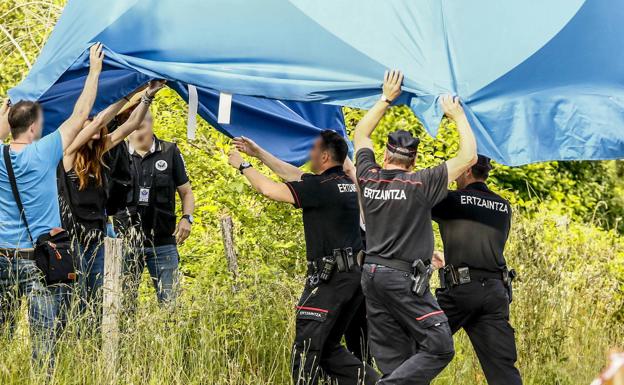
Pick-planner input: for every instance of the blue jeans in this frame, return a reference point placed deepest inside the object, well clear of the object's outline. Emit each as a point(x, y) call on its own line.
point(47, 305)
point(91, 275)
point(162, 264)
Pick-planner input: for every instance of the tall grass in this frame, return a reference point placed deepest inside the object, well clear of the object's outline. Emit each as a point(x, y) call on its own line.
point(567, 312)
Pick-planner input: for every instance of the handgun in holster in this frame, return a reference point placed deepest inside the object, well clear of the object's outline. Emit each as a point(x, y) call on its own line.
point(421, 274)
point(345, 260)
point(508, 277)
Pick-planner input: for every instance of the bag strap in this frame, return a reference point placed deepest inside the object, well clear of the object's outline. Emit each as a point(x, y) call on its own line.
point(16, 195)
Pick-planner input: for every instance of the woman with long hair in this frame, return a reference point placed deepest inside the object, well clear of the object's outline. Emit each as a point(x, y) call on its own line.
point(83, 180)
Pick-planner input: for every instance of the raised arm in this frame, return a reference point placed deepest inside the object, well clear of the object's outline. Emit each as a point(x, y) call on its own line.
point(467, 155)
point(349, 168)
point(137, 116)
point(72, 126)
point(262, 184)
point(284, 170)
point(5, 129)
point(91, 129)
point(391, 90)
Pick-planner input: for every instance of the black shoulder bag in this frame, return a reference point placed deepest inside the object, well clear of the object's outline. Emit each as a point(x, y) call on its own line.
point(53, 254)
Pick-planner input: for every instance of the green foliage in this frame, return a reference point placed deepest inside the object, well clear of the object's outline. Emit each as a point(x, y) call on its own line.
point(568, 308)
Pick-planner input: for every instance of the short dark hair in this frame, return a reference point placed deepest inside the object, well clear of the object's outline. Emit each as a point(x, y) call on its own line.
point(480, 173)
point(22, 115)
point(481, 169)
point(335, 144)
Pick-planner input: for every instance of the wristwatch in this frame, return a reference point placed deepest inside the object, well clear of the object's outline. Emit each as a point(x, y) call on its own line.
point(384, 98)
point(188, 217)
point(244, 166)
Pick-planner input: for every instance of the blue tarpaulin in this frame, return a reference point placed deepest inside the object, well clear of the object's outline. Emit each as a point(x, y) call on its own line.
point(271, 123)
point(541, 80)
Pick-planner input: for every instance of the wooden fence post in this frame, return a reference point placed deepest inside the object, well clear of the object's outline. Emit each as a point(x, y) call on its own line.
point(112, 300)
point(227, 231)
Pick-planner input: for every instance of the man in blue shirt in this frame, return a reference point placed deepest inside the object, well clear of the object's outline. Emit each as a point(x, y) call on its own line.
point(35, 161)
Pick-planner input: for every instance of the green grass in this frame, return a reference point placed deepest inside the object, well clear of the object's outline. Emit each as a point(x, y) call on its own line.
point(567, 313)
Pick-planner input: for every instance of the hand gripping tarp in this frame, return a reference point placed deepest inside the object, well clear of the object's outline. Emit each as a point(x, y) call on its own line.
point(284, 128)
point(541, 80)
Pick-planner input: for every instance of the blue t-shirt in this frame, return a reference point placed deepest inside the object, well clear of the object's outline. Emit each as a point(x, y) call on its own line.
point(35, 170)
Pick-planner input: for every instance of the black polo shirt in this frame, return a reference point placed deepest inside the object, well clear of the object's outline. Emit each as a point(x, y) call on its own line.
point(397, 208)
point(331, 215)
point(474, 224)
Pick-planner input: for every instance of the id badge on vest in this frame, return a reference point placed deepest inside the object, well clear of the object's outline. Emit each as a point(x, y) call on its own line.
point(144, 194)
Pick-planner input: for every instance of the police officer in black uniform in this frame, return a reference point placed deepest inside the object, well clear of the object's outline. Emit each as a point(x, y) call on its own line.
point(475, 283)
point(409, 334)
point(149, 222)
point(331, 223)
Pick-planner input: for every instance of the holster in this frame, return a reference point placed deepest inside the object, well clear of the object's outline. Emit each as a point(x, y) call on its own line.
point(509, 275)
point(451, 276)
point(421, 275)
point(345, 259)
point(322, 269)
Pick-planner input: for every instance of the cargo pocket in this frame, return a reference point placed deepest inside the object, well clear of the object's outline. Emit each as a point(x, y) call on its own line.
point(438, 338)
point(431, 319)
point(164, 223)
point(162, 188)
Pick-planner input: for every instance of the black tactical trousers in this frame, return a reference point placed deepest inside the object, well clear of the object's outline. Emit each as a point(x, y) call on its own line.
point(356, 335)
point(409, 336)
point(482, 309)
point(323, 313)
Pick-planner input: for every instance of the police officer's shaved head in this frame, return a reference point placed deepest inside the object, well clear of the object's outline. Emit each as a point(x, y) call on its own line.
point(402, 148)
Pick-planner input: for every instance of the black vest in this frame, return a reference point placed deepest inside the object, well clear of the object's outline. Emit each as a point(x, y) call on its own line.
point(154, 172)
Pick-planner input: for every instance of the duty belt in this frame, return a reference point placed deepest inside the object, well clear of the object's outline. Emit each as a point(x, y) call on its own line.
point(451, 276)
point(344, 259)
point(18, 253)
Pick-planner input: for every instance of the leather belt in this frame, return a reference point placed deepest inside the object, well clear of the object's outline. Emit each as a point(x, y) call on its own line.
point(392, 263)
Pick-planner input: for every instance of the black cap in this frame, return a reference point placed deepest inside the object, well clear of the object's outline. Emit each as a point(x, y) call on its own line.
point(484, 162)
point(402, 142)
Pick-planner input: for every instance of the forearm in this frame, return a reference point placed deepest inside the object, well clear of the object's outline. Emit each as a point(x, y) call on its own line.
point(366, 126)
point(83, 137)
point(72, 126)
point(188, 203)
point(467, 142)
point(284, 170)
point(84, 105)
point(111, 111)
point(269, 188)
point(258, 181)
point(133, 122)
point(467, 155)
